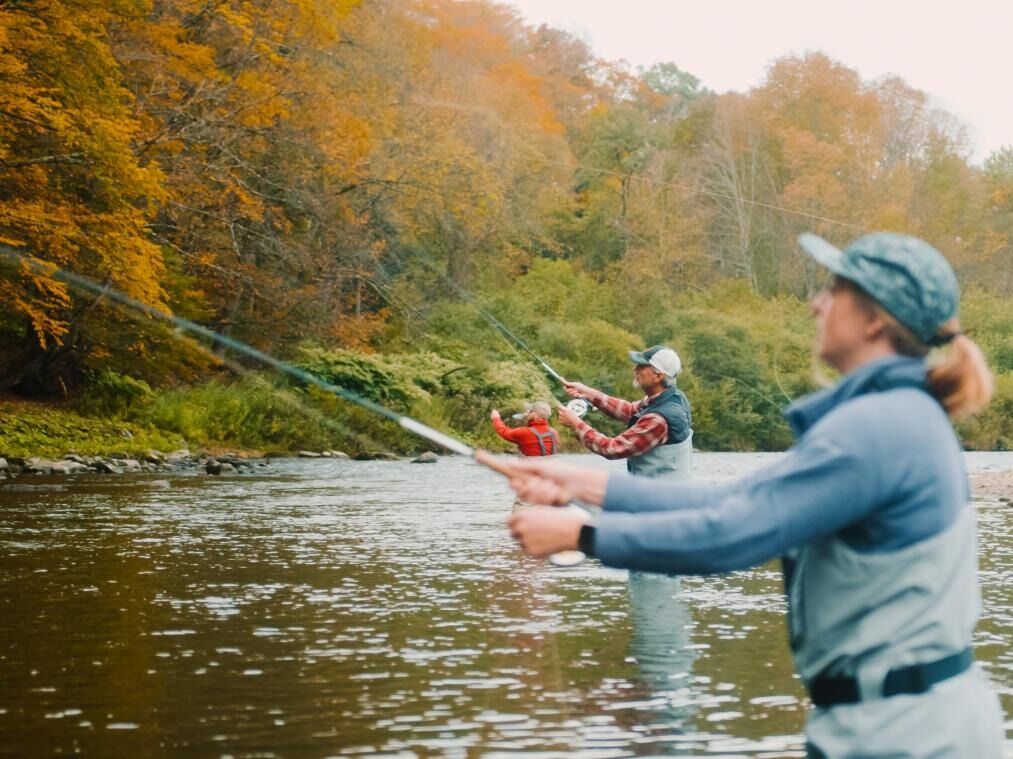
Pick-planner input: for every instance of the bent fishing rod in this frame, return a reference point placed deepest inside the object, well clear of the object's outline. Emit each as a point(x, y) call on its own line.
point(579, 406)
point(105, 290)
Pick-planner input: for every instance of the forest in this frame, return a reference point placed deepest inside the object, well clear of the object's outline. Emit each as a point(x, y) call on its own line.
point(366, 189)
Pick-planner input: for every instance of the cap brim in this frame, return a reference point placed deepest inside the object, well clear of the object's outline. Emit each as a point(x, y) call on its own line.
point(822, 252)
point(639, 359)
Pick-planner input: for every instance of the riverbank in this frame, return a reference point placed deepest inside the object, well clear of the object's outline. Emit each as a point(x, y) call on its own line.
point(992, 486)
point(39, 438)
point(176, 461)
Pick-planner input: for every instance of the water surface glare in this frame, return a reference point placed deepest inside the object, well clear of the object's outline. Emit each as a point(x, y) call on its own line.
point(324, 607)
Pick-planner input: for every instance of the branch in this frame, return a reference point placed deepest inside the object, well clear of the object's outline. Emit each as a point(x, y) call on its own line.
point(68, 158)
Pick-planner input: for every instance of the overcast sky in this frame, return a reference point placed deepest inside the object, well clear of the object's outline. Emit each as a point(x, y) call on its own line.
point(961, 53)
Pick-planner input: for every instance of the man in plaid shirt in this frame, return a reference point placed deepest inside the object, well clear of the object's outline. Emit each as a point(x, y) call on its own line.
point(658, 439)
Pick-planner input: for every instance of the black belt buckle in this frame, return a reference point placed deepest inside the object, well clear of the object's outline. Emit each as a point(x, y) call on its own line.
point(829, 691)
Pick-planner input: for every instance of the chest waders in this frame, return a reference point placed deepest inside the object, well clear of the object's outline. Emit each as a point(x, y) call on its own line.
point(660, 616)
point(674, 457)
point(882, 644)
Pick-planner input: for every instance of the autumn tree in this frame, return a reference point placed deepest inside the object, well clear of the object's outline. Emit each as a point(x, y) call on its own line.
point(73, 193)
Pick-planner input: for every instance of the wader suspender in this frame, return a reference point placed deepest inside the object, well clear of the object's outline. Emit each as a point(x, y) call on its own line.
point(541, 437)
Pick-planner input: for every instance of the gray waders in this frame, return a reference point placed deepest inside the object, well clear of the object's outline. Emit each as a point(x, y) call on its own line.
point(882, 641)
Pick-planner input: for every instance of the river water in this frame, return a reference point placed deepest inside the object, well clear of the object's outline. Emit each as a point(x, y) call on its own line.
point(325, 608)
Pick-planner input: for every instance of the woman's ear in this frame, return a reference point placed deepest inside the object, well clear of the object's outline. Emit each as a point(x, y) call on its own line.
point(875, 328)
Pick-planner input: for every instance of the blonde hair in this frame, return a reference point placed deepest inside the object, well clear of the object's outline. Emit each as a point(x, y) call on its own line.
point(958, 375)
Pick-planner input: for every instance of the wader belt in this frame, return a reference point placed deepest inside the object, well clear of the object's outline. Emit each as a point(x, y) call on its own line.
point(831, 690)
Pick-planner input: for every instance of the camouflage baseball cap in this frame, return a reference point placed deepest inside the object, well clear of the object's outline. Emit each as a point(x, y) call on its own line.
point(906, 276)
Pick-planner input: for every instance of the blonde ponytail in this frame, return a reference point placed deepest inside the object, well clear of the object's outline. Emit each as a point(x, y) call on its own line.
point(959, 376)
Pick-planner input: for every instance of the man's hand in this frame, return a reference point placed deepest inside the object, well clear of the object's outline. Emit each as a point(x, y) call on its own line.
point(544, 531)
point(566, 417)
point(495, 415)
point(577, 389)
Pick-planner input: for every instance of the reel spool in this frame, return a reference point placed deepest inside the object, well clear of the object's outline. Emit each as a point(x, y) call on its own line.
point(579, 406)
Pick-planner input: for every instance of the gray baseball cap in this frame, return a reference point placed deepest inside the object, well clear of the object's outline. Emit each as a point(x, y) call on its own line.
point(908, 277)
point(664, 360)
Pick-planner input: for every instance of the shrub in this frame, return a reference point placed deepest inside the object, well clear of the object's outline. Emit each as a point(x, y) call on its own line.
point(112, 394)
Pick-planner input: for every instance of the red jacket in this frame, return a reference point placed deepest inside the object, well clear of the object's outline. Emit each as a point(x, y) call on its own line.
point(526, 439)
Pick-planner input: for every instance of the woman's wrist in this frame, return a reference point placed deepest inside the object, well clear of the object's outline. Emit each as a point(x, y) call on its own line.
point(592, 487)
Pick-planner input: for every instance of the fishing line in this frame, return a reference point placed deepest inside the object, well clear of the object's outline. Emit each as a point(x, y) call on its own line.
point(579, 406)
point(83, 283)
point(502, 328)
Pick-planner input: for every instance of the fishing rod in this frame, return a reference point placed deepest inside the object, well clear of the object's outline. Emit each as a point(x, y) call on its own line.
point(561, 559)
point(105, 290)
point(579, 406)
point(506, 332)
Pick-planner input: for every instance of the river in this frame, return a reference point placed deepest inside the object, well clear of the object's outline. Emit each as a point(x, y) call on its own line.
point(323, 608)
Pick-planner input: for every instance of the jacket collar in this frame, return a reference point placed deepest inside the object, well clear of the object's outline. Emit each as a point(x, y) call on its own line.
point(665, 394)
point(872, 377)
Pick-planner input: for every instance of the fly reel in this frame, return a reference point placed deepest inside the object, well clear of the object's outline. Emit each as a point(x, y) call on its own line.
point(579, 406)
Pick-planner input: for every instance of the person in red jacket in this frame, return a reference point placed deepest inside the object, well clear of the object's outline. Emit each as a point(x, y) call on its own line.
point(536, 437)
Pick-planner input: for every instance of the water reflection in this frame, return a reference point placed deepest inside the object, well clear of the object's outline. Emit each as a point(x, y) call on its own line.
point(328, 608)
point(661, 642)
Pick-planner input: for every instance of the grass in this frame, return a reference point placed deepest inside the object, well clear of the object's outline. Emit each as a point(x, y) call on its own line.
point(36, 429)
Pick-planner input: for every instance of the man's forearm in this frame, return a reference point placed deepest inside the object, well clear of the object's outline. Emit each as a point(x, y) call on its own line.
point(616, 408)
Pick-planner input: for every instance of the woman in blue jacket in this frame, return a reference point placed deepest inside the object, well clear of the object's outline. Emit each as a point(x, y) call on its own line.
point(869, 512)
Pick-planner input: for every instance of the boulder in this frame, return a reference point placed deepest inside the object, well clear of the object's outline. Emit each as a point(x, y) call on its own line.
point(426, 458)
point(339, 455)
point(375, 456)
point(69, 466)
point(308, 455)
point(105, 467)
point(4, 466)
point(36, 465)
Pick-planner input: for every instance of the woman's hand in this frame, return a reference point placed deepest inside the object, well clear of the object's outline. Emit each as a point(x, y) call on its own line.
point(544, 531)
point(545, 481)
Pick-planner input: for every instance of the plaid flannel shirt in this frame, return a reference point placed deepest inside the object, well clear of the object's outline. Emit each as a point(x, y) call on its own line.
point(650, 431)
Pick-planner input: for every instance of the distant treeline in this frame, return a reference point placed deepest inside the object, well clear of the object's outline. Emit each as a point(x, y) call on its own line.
point(356, 187)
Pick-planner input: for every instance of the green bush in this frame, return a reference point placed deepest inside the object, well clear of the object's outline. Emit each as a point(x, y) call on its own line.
point(112, 394)
point(992, 429)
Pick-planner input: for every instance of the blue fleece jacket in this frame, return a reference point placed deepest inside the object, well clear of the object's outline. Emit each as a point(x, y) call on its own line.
point(876, 463)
